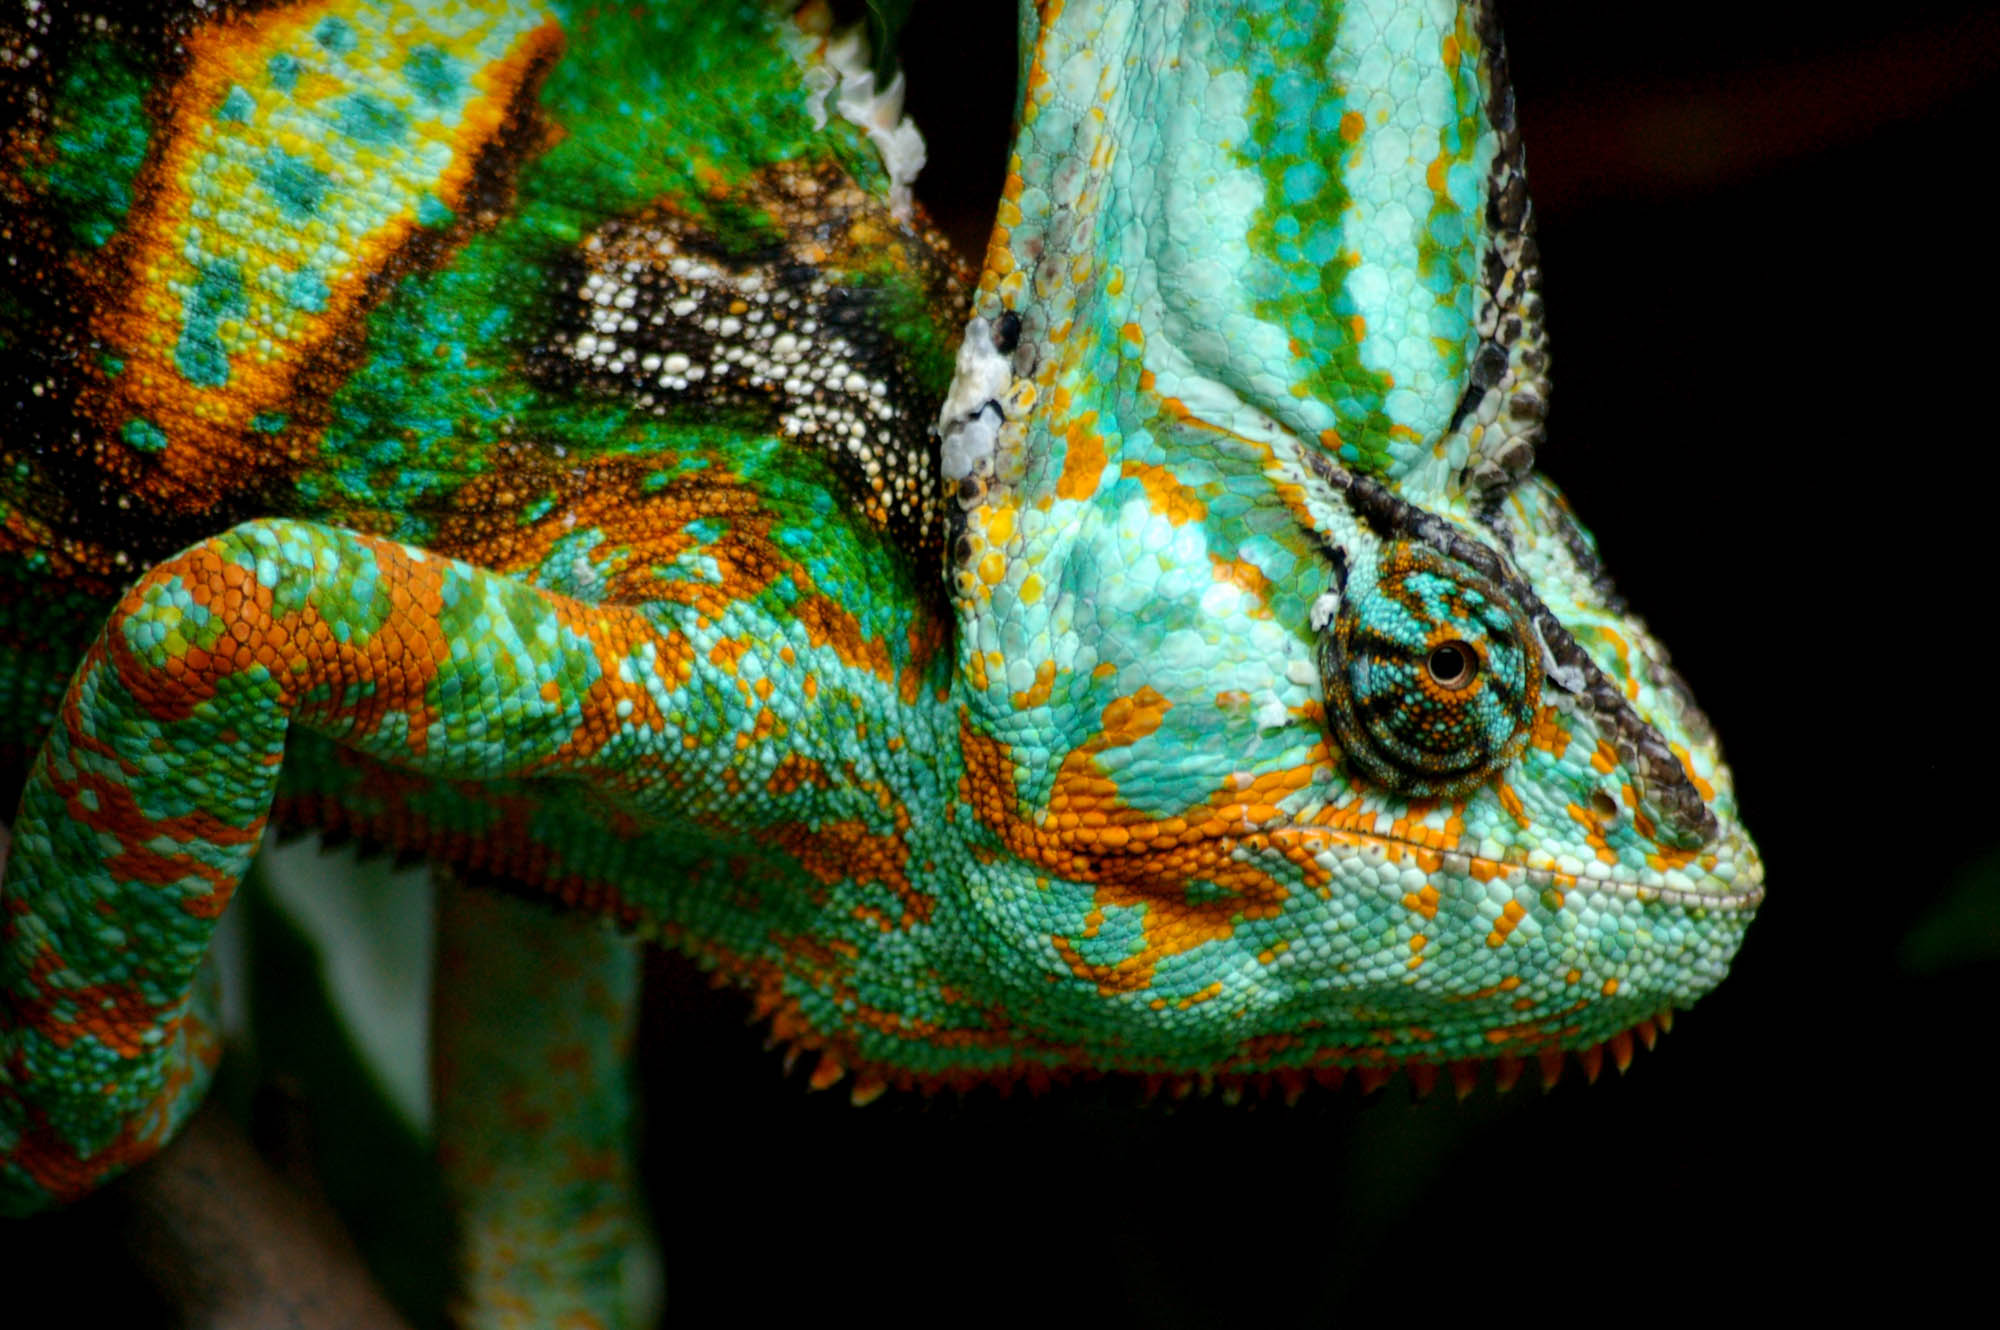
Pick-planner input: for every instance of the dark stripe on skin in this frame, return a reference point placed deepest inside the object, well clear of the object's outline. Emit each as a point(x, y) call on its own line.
point(1584, 557)
point(1663, 782)
point(1488, 511)
point(757, 325)
point(1509, 318)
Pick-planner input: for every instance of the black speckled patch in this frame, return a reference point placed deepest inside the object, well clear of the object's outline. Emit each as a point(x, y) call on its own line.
point(789, 336)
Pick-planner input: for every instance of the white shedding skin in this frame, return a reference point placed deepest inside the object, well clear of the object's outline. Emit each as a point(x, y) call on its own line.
point(880, 115)
point(1566, 677)
point(1323, 611)
point(839, 63)
point(967, 425)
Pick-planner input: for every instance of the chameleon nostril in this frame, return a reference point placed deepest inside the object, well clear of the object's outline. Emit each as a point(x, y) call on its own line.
point(1603, 804)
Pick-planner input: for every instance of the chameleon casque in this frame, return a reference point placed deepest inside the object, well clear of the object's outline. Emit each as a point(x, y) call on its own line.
point(545, 438)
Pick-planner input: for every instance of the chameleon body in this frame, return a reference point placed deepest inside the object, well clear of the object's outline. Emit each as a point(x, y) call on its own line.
point(531, 436)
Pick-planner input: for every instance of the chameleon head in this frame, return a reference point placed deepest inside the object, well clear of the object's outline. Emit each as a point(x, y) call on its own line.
point(1305, 722)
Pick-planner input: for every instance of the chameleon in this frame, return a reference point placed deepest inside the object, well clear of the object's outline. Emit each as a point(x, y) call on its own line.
point(547, 438)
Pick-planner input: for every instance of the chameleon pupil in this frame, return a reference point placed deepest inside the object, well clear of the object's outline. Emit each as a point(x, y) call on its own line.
point(1452, 665)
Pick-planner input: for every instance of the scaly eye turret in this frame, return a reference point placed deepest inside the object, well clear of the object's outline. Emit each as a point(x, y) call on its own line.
point(1432, 674)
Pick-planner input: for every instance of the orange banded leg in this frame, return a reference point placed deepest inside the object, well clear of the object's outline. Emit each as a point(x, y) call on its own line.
point(149, 796)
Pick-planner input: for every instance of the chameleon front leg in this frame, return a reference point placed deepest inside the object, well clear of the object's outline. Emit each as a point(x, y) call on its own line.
point(148, 798)
point(534, 1015)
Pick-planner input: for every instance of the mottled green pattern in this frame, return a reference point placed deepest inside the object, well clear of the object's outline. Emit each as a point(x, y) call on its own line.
point(100, 138)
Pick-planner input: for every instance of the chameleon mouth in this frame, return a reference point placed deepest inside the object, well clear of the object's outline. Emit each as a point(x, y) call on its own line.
point(1725, 896)
point(1744, 892)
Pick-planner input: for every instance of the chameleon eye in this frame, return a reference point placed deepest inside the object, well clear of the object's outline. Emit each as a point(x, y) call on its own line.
point(1453, 665)
point(1432, 674)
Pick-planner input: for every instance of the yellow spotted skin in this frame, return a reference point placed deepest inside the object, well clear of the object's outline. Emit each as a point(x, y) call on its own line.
point(542, 438)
